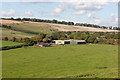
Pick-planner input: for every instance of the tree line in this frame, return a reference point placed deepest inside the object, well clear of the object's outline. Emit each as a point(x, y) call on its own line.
point(96, 37)
point(63, 22)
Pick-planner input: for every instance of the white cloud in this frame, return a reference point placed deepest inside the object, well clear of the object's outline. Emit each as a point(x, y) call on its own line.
point(38, 0)
point(81, 7)
point(80, 12)
point(67, 0)
point(11, 12)
point(97, 21)
point(89, 7)
point(28, 13)
point(112, 21)
point(59, 8)
point(112, 14)
point(89, 15)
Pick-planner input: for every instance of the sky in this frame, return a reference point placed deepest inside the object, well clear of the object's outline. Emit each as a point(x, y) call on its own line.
point(100, 13)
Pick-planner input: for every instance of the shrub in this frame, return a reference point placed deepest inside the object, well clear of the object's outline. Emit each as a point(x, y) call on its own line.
point(6, 39)
point(14, 39)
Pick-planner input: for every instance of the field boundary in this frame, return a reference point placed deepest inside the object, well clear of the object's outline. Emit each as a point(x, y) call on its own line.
point(14, 47)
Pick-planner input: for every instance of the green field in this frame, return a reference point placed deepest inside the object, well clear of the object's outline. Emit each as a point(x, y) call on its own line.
point(11, 33)
point(70, 61)
point(9, 43)
point(26, 30)
point(33, 27)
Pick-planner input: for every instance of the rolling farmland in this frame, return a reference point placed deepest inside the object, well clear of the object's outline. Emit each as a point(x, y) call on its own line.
point(70, 61)
point(49, 27)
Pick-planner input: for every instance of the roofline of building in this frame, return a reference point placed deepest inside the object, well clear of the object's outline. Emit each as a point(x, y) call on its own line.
point(71, 40)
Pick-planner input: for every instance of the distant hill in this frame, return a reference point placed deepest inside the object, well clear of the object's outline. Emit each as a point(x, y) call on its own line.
point(49, 27)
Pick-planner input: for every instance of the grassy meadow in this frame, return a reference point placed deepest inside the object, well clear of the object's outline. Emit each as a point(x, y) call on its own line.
point(33, 27)
point(9, 43)
point(11, 33)
point(69, 61)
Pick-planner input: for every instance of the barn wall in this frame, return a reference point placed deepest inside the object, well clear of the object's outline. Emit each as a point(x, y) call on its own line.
point(73, 42)
point(59, 41)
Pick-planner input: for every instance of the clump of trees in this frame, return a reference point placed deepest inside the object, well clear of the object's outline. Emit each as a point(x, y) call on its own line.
point(6, 26)
point(116, 28)
point(26, 41)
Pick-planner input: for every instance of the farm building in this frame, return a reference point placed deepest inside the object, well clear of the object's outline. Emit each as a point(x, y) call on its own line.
point(61, 41)
point(43, 44)
point(71, 41)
